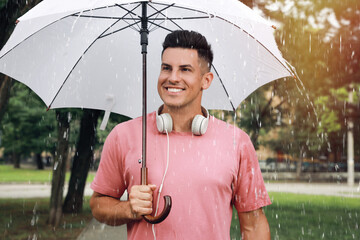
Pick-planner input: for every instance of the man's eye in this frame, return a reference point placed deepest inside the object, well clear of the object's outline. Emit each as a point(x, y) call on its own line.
point(165, 68)
point(186, 69)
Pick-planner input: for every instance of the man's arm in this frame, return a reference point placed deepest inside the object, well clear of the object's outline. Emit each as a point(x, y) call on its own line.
point(114, 212)
point(254, 225)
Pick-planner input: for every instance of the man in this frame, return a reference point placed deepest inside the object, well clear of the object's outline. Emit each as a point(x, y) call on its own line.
point(208, 170)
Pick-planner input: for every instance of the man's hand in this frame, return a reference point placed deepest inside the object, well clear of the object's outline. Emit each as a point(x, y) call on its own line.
point(140, 198)
point(114, 212)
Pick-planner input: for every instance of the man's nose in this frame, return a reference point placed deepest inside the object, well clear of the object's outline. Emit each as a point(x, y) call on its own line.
point(174, 76)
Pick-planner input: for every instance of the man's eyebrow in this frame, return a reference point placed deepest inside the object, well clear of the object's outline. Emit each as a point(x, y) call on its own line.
point(186, 66)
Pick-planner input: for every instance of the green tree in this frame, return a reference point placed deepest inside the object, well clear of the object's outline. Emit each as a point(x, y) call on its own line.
point(27, 127)
point(321, 40)
point(335, 112)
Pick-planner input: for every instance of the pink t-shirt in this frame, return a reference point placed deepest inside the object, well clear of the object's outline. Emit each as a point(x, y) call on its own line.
point(207, 175)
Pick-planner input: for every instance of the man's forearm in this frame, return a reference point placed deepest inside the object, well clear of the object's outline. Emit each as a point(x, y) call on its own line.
point(110, 211)
point(254, 225)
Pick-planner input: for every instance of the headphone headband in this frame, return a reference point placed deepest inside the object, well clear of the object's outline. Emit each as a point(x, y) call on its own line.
point(199, 124)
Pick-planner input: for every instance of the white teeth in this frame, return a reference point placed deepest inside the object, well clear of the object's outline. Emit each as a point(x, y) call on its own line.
point(174, 89)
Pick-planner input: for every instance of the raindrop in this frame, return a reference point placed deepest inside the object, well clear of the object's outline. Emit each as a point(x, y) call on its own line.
point(56, 165)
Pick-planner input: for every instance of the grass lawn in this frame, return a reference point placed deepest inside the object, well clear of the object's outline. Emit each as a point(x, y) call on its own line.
point(298, 216)
point(9, 174)
point(26, 219)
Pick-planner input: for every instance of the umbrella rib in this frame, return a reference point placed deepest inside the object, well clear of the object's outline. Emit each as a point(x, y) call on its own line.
point(74, 14)
point(172, 19)
point(213, 16)
point(184, 18)
point(157, 14)
point(186, 8)
point(222, 84)
point(117, 5)
point(131, 12)
point(167, 29)
point(33, 35)
point(161, 12)
point(151, 23)
point(124, 18)
point(67, 77)
point(157, 11)
point(129, 26)
point(102, 17)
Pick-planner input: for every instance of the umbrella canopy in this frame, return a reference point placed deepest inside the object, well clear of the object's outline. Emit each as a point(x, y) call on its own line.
point(87, 53)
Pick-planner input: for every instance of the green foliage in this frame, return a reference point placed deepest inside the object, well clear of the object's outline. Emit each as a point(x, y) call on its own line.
point(334, 111)
point(256, 115)
point(113, 121)
point(2, 3)
point(319, 38)
point(329, 120)
point(27, 127)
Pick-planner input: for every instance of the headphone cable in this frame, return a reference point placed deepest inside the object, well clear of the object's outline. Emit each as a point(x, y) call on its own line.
point(162, 181)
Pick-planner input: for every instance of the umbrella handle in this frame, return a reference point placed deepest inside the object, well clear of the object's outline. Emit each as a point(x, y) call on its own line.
point(161, 217)
point(167, 207)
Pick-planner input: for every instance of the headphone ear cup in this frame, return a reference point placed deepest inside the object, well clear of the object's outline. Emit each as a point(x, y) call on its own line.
point(199, 125)
point(164, 123)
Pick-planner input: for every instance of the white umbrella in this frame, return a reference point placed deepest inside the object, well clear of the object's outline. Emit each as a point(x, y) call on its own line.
point(87, 53)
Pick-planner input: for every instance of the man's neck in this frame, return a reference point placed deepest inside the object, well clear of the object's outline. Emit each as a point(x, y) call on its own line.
point(182, 117)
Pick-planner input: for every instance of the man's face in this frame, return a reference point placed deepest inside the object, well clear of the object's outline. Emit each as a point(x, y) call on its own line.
point(182, 78)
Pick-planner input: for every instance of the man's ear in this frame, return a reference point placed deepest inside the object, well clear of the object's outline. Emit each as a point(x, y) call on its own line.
point(206, 80)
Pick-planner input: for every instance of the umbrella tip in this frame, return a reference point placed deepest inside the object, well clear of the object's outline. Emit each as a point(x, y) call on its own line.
point(48, 108)
point(17, 21)
point(273, 26)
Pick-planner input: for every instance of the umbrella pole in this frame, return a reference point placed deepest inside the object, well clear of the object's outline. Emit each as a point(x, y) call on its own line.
point(144, 33)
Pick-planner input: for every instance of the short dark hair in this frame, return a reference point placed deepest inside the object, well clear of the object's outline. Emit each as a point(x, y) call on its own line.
point(192, 40)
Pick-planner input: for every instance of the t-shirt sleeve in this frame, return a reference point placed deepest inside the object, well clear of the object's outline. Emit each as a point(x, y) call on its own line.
point(109, 178)
point(249, 190)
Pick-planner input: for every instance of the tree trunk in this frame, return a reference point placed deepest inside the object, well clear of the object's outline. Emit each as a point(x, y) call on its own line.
point(82, 160)
point(5, 86)
point(39, 162)
point(59, 169)
point(16, 160)
point(299, 164)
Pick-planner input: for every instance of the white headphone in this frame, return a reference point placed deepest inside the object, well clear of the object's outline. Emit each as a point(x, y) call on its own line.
point(198, 127)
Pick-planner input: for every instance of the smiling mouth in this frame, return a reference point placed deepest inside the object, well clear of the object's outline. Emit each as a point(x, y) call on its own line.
point(174, 90)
